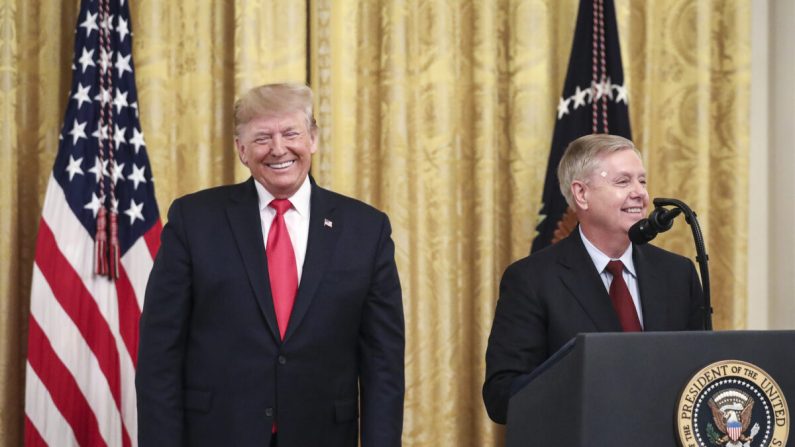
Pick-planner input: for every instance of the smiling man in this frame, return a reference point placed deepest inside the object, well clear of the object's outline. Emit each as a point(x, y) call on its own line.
point(273, 314)
point(594, 280)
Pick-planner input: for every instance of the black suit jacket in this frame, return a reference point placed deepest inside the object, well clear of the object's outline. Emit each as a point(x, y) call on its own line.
point(549, 297)
point(212, 369)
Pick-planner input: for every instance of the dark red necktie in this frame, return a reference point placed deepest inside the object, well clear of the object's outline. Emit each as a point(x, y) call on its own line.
point(622, 300)
point(281, 265)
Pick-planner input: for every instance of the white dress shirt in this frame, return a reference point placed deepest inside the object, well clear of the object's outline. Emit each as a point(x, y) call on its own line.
point(600, 261)
point(296, 219)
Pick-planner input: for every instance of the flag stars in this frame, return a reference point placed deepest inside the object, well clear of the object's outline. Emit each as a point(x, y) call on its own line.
point(87, 59)
point(101, 133)
point(105, 59)
point(78, 131)
point(93, 205)
point(137, 175)
point(118, 172)
point(579, 97)
point(608, 88)
point(602, 88)
point(118, 136)
point(103, 96)
point(123, 29)
point(595, 92)
point(120, 100)
point(598, 90)
point(100, 168)
point(90, 23)
point(74, 167)
point(135, 211)
point(107, 22)
point(82, 95)
point(123, 64)
point(563, 107)
point(621, 93)
point(137, 140)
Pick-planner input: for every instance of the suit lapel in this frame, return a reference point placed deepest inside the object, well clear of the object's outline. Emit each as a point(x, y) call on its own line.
point(581, 279)
point(324, 228)
point(652, 292)
point(244, 219)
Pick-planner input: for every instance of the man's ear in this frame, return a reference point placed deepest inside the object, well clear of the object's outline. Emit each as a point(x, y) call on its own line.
point(579, 192)
point(241, 151)
point(313, 137)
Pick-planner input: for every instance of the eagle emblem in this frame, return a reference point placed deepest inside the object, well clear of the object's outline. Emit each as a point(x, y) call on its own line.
point(732, 403)
point(731, 412)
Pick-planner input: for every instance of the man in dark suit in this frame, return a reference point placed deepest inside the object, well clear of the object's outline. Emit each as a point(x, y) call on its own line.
point(273, 312)
point(568, 288)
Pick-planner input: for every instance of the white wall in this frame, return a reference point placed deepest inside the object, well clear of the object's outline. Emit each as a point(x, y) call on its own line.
point(758, 193)
point(782, 163)
point(771, 241)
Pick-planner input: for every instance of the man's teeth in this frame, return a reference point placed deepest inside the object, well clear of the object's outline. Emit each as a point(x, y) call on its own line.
point(281, 165)
point(632, 210)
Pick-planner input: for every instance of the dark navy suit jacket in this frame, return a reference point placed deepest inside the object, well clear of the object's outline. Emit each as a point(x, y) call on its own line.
point(212, 369)
point(549, 297)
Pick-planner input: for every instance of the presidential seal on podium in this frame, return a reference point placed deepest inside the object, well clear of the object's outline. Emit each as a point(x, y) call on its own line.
point(732, 403)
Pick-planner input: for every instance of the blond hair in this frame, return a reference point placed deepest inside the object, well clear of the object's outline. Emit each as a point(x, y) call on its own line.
point(582, 156)
point(274, 99)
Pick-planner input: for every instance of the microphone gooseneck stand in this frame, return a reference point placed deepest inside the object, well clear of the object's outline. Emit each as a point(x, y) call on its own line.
point(701, 251)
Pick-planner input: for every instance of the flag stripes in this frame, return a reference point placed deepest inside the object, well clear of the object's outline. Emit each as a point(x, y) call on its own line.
point(32, 436)
point(80, 310)
point(65, 340)
point(63, 388)
point(152, 239)
point(129, 314)
point(41, 412)
point(69, 291)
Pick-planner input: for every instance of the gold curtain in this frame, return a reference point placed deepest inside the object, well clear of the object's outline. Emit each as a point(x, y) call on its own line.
point(688, 69)
point(440, 112)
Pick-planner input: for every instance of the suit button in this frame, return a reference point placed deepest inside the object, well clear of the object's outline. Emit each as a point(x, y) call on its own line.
point(269, 412)
point(282, 360)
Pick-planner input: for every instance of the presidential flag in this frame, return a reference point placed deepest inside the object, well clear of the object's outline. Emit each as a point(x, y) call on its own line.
point(98, 234)
point(594, 100)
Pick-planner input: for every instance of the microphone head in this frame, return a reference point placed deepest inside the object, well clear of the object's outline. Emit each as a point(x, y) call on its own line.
point(659, 221)
point(663, 219)
point(642, 232)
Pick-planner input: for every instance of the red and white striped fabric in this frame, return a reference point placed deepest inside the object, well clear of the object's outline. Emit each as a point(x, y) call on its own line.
point(83, 335)
point(97, 239)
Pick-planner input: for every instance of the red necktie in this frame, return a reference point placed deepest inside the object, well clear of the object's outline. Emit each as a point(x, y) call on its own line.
point(622, 300)
point(281, 265)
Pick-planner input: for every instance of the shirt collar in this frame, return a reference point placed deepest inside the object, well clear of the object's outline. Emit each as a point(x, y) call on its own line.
point(300, 200)
point(600, 259)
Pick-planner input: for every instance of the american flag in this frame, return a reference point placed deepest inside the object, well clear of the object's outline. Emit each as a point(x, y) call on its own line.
point(97, 238)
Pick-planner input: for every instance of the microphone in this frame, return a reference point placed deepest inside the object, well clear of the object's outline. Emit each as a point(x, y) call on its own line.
point(659, 221)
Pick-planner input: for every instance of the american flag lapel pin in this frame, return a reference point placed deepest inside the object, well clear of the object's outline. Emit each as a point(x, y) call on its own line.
point(328, 223)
